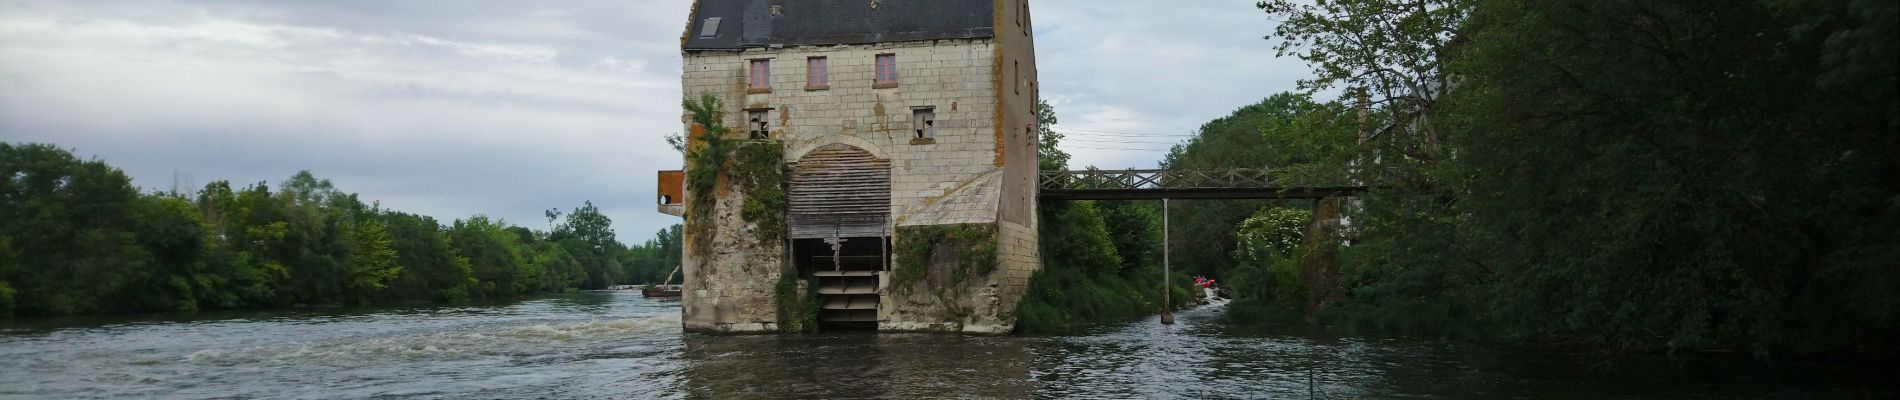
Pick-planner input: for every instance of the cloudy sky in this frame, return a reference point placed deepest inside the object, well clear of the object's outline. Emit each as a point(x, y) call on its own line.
point(509, 108)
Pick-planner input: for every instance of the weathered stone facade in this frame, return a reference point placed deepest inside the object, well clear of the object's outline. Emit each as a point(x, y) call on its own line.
point(729, 289)
point(977, 168)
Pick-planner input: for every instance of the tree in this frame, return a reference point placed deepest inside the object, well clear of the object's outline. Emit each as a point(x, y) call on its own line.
point(1203, 230)
point(492, 255)
point(68, 225)
point(589, 237)
point(1269, 250)
point(372, 257)
point(430, 267)
point(1048, 156)
point(1388, 50)
point(77, 238)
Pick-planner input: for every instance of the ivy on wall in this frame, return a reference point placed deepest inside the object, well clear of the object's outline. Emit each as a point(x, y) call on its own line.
point(971, 246)
point(797, 309)
point(756, 166)
point(757, 170)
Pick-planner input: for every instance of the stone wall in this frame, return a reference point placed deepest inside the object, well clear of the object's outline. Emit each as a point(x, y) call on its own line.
point(732, 289)
point(945, 180)
point(1017, 248)
point(1018, 252)
point(958, 176)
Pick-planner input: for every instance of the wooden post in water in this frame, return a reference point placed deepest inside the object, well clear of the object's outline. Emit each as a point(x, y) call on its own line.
point(1167, 272)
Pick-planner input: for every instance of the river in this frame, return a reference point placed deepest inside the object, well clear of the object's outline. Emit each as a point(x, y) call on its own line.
point(616, 344)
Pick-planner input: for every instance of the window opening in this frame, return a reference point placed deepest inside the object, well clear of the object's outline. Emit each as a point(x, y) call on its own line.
point(886, 70)
point(924, 123)
point(1022, 17)
point(816, 73)
point(757, 121)
point(709, 29)
point(761, 76)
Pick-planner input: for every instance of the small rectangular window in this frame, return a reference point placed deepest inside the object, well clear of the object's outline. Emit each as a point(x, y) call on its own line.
point(710, 28)
point(1019, 76)
point(923, 122)
point(758, 123)
point(886, 70)
point(761, 75)
point(816, 74)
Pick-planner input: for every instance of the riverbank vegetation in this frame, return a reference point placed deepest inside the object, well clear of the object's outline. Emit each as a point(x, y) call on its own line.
point(1101, 260)
point(76, 237)
point(1620, 176)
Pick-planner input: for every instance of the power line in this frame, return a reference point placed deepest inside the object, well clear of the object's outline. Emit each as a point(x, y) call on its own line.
point(1120, 137)
point(1108, 131)
point(1088, 141)
point(1103, 132)
point(1110, 148)
point(1114, 135)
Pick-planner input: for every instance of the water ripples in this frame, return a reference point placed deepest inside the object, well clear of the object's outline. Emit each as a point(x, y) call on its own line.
point(617, 344)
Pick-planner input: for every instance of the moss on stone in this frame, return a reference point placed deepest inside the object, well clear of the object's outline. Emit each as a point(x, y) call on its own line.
point(706, 151)
point(972, 246)
point(797, 309)
point(757, 167)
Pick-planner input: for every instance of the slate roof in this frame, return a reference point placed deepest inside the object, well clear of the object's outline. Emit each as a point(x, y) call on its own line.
point(750, 23)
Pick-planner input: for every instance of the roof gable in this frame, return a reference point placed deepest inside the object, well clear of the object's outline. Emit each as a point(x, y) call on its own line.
point(752, 23)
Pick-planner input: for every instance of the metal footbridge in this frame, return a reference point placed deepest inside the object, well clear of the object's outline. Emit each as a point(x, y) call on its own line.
point(1159, 184)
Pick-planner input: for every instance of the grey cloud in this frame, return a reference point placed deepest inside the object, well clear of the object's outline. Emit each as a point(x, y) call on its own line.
point(508, 108)
point(1152, 67)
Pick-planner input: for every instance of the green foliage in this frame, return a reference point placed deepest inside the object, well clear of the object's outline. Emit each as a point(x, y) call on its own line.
point(56, 210)
point(431, 267)
point(1626, 175)
point(1134, 229)
point(77, 238)
point(707, 151)
point(1385, 53)
point(967, 249)
point(588, 236)
point(1269, 249)
point(797, 310)
point(1758, 211)
point(653, 261)
point(1084, 280)
point(372, 258)
point(493, 255)
point(1048, 156)
point(1285, 131)
point(1270, 232)
point(1101, 261)
point(759, 169)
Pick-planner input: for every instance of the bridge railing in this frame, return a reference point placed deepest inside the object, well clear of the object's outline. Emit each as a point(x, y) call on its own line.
point(1231, 178)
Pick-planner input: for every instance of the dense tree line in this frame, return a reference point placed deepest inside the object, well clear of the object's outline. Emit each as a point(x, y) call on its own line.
point(1621, 175)
point(76, 237)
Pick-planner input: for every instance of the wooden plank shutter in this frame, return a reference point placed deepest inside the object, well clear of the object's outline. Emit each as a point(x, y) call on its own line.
point(839, 190)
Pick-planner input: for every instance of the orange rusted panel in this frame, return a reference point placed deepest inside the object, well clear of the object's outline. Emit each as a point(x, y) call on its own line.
point(672, 187)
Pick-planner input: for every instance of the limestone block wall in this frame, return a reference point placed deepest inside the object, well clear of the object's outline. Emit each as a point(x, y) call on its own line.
point(958, 176)
point(1020, 256)
point(943, 180)
point(732, 288)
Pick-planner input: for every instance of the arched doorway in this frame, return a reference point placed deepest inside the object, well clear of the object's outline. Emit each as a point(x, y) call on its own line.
point(839, 224)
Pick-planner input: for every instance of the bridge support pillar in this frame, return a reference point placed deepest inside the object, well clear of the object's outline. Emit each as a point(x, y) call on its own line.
point(1320, 267)
point(1167, 271)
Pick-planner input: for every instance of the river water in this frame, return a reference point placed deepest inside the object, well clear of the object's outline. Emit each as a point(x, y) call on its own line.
point(617, 344)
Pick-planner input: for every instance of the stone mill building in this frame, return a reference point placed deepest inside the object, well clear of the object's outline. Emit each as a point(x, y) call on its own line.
point(898, 186)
